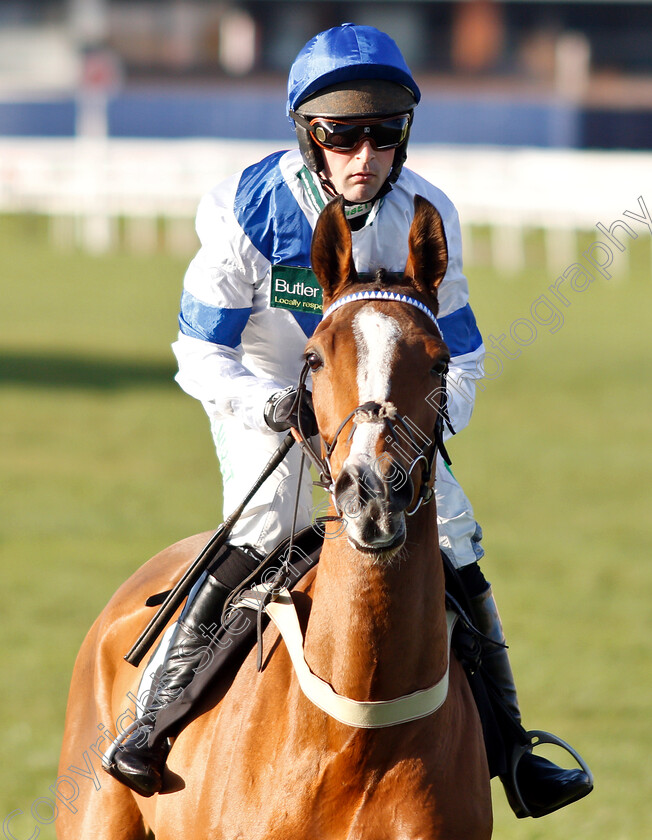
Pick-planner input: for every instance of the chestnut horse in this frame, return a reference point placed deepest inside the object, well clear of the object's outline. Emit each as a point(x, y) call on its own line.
point(263, 762)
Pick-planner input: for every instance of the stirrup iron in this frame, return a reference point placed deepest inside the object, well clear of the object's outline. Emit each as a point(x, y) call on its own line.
point(536, 738)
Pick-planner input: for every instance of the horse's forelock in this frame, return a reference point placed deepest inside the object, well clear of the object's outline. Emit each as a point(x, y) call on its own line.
point(386, 278)
point(379, 279)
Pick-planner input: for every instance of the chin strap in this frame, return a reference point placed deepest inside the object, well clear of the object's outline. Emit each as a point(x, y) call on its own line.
point(327, 185)
point(352, 209)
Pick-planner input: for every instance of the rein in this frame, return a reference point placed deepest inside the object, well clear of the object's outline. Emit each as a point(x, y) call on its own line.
point(386, 412)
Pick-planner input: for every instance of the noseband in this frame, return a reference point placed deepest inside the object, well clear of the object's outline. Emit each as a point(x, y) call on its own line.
point(383, 413)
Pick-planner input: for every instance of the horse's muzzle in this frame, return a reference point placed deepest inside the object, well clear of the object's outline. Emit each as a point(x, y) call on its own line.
point(371, 498)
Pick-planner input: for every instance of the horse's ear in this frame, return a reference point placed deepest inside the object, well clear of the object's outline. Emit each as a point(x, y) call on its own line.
point(428, 251)
point(332, 251)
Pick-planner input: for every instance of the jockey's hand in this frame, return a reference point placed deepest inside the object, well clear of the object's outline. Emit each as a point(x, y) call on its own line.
point(282, 412)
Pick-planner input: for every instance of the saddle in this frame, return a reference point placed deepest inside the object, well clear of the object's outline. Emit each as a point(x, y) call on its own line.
point(287, 564)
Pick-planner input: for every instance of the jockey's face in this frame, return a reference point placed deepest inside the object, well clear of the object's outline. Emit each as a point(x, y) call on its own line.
point(359, 174)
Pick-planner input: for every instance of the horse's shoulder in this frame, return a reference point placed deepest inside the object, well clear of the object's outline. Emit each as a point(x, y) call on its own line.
point(160, 572)
point(126, 611)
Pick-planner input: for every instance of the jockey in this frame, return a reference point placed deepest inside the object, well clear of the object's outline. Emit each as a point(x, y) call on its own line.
point(249, 303)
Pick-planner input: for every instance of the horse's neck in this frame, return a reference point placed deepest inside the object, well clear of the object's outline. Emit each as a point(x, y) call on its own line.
point(378, 630)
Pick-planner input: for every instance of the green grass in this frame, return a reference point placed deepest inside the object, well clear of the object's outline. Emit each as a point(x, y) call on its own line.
point(105, 461)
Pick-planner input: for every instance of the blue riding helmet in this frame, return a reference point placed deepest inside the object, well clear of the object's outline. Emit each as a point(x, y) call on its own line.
point(350, 71)
point(345, 53)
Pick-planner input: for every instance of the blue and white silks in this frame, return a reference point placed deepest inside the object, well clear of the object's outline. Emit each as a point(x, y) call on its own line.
point(234, 348)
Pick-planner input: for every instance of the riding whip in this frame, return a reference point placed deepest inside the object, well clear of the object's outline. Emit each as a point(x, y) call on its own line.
point(176, 595)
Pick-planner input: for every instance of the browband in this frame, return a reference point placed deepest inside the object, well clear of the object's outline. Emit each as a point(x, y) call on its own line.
point(378, 295)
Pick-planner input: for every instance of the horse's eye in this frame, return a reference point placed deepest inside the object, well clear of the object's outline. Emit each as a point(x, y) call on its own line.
point(439, 368)
point(313, 361)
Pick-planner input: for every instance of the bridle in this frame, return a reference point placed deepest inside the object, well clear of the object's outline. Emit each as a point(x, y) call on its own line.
point(385, 413)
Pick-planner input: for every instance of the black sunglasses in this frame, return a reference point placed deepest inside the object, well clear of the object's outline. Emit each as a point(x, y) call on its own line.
point(345, 136)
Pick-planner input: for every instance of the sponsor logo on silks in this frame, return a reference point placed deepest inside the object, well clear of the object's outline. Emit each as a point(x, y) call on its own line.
point(295, 288)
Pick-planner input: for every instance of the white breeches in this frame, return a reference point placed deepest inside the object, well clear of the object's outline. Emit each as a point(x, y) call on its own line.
point(243, 453)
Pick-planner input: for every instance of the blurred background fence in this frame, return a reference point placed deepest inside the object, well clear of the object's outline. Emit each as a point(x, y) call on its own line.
point(115, 117)
point(536, 119)
point(142, 194)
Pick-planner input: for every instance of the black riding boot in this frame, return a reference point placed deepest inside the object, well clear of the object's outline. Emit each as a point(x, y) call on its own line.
point(140, 760)
point(138, 763)
point(541, 786)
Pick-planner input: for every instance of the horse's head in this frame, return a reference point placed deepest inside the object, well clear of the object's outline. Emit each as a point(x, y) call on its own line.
point(377, 365)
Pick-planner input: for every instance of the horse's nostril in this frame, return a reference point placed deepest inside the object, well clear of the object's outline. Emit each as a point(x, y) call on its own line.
point(403, 492)
point(347, 493)
point(344, 483)
point(362, 488)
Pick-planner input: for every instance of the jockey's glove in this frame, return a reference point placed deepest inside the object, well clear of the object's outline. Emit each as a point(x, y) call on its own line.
point(284, 410)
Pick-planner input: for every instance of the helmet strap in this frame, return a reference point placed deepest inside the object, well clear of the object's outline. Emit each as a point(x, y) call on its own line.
point(327, 185)
point(356, 212)
point(353, 206)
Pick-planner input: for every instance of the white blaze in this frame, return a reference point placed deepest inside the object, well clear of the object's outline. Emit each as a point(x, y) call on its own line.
point(376, 336)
